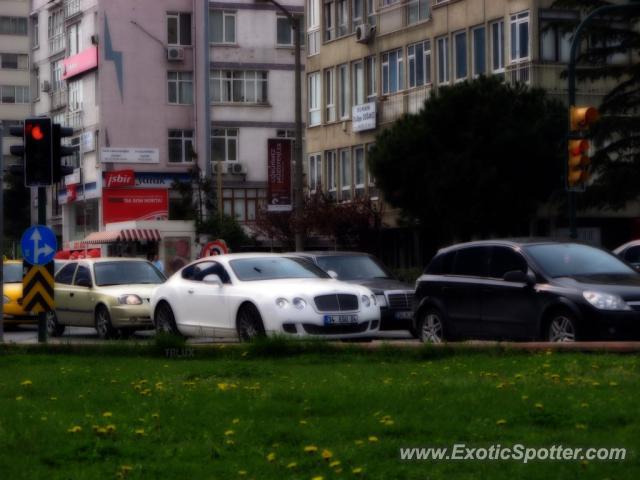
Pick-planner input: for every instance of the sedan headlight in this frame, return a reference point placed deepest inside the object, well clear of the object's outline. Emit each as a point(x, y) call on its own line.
point(282, 302)
point(366, 301)
point(5, 299)
point(299, 303)
point(382, 301)
point(605, 301)
point(129, 299)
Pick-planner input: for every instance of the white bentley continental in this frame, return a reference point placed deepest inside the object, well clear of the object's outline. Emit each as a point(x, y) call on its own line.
point(253, 294)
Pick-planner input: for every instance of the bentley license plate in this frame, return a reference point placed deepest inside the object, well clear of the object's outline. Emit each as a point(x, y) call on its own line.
point(340, 319)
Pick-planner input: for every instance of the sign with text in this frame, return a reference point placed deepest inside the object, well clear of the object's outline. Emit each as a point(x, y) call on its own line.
point(279, 175)
point(123, 204)
point(130, 155)
point(119, 178)
point(363, 117)
point(82, 62)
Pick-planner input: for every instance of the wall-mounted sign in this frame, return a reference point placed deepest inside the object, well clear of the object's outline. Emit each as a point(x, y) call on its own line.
point(279, 175)
point(87, 142)
point(130, 155)
point(80, 63)
point(363, 117)
point(119, 178)
point(123, 204)
point(73, 178)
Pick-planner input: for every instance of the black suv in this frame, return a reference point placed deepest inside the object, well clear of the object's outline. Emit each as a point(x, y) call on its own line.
point(394, 297)
point(527, 290)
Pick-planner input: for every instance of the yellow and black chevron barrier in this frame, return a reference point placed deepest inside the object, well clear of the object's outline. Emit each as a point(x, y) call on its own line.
point(37, 288)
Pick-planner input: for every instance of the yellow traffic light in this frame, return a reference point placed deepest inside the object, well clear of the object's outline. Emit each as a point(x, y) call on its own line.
point(578, 163)
point(583, 117)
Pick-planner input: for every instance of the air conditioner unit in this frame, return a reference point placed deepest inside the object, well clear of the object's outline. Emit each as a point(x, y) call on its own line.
point(175, 54)
point(237, 168)
point(365, 32)
point(46, 86)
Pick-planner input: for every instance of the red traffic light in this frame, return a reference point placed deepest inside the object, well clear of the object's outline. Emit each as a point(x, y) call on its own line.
point(36, 133)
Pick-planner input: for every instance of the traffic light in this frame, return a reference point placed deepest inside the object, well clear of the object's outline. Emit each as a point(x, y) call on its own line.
point(581, 120)
point(38, 158)
point(60, 151)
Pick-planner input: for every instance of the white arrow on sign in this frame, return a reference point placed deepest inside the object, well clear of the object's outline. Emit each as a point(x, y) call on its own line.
point(37, 251)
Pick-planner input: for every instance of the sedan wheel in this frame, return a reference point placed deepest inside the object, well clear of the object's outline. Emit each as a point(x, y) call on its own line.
point(164, 320)
point(103, 324)
point(562, 329)
point(431, 327)
point(249, 324)
point(54, 329)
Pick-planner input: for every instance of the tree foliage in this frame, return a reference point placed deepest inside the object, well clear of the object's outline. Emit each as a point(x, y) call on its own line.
point(612, 48)
point(478, 159)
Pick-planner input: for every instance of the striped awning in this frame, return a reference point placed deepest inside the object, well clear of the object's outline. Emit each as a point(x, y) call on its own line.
point(124, 235)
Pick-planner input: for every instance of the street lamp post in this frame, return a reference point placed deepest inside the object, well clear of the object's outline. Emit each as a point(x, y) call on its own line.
point(294, 21)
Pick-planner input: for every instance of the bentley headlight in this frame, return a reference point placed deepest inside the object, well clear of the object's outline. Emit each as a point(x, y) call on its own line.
point(282, 302)
point(605, 301)
point(299, 303)
point(129, 299)
point(366, 301)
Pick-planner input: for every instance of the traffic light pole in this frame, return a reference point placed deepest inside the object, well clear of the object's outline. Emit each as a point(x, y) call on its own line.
point(42, 220)
point(1, 235)
point(571, 87)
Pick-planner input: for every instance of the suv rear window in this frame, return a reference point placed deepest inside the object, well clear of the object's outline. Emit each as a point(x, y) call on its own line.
point(472, 262)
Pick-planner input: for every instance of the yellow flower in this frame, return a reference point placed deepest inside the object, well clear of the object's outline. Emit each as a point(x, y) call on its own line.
point(223, 386)
point(271, 456)
point(613, 384)
point(228, 433)
point(310, 449)
point(75, 429)
point(292, 465)
point(110, 428)
point(502, 421)
point(373, 438)
point(539, 406)
point(19, 397)
point(327, 454)
point(525, 397)
point(584, 405)
point(155, 416)
point(53, 398)
point(303, 422)
point(359, 442)
point(26, 383)
point(107, 414)
point(242, 473)
point(581, 426)
point(229, 442)
point(334, 464)
point(139, 432)
point(318, 477)
point(356, 471)
point(101, 431)
point(126, 468)
point(235, 421)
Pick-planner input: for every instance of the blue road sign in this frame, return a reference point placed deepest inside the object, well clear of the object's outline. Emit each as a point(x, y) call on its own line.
point(38, 245)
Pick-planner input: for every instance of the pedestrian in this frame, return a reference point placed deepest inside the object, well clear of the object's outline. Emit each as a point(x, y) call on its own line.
point(155, 259)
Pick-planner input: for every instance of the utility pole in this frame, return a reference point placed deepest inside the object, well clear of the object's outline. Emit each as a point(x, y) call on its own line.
point(571, 87)
point(2, 234)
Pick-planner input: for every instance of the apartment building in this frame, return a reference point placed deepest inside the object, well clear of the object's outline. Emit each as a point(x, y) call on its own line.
point(153, 88)
point(15, 100)
point(371, 61)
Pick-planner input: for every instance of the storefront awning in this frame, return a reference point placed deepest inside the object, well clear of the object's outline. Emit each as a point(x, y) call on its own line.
point(125, 235)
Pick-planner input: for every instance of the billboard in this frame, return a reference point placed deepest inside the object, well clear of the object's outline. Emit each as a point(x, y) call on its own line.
point(123, 204)
point(279, 198)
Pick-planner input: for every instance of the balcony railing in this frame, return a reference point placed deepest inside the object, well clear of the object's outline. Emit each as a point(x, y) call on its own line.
point(71, 8)
point(74, 119)
point(394, 106)
point(58, 98)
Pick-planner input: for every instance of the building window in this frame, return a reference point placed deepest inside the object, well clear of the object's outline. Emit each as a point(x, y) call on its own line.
point(417, 10)
point(243, 203)
point(330, 95)
point(358, 83)
point(14, 61)
point(35, 31)
point(314, 99)
point(443, 60)
point(357, 13)
point(13, 25)
point(56, 31)
point(372, 86)
point(520, 37)
point(224, 144)
point(460, 55)
point(180, 88)
point(315, 172)
point(332, 173)
point(329, 19)
point(392, 71)
point(285, 32)
point(14, 94)
point(419, 56)
point(373, 190)
point(73, 39)
point(345, 174)
point(238, 86)
point(57, 83)
point(180, 146)
point(371, 12)
point(75, 96)
point(555, 35)
point(222, 26)
point(313, 27)
point(179, 28)
point(479, 51)
point(344, 94)
point(35, 85)
point(342, 14)
point(358, 158)
point(497, 47)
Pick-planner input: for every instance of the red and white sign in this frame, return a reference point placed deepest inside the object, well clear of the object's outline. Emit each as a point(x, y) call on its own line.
point(123, 204)
point(216, 247)
point(279, 175)
point(72, 193)
point(82, 62)
point(119, 178)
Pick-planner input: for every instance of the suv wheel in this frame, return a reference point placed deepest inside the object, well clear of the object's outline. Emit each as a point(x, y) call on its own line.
point(562, 328)
point(431, 328)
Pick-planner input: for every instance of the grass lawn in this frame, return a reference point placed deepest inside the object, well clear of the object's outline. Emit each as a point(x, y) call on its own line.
point(240, 414)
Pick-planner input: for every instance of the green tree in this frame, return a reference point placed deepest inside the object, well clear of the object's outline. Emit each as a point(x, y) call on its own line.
point(478, 159)
point(612, 48)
